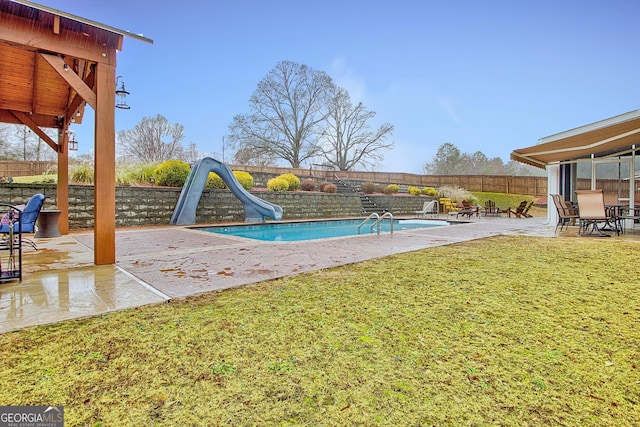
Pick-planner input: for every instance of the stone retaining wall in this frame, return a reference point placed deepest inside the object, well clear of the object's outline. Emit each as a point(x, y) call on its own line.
point(136, 206)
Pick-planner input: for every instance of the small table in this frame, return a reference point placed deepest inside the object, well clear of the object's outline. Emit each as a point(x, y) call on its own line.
point(48, 223)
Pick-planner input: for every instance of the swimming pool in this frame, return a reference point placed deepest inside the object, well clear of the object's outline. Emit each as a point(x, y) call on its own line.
point(311, 230)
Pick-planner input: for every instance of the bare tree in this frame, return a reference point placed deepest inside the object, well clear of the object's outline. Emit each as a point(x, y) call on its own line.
point(246, 156)
point(192, 154)
point(285, 111)
point(347, 141)
point(18, 142)
point(153, 140)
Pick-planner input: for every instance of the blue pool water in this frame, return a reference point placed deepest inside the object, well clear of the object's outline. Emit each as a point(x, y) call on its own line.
point(295, 231)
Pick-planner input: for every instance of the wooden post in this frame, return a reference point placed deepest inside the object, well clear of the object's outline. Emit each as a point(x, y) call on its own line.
point(62, 197)
point(104, 229)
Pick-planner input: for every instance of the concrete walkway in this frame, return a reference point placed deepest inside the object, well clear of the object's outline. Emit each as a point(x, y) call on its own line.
point(161, 263)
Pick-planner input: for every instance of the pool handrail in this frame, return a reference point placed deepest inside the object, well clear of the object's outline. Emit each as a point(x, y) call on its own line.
point(389, 215)
point(378, 219)
point(373, 215)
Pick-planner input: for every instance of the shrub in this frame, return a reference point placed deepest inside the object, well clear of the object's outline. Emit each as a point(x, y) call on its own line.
point(429, 191)
point(244, 178)
point(323, 184)
point(308, 185)
point(82, 173)
point(379, 188)
point(414, 191)
point(172, 173)
point(292, 180)
point(457, 195)
point(214, 181)
point(136, 173)
point(277, 184)
point(368, 188)
point(391, 189)
point(329, 188)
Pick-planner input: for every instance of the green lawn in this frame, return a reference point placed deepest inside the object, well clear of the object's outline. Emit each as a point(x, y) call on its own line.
point(502, 200)
point(36, 179)
point(500, 331)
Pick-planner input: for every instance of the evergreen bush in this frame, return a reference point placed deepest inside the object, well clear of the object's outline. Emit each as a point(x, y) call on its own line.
point(414, 191)
point(214, 181)
point(172, 173)
point(430, 191)
point(292, 180)
point(244, 178)
point(277, 184)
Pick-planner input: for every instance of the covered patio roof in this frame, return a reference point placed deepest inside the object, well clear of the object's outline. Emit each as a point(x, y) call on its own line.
point(52, 65)
point(613, 135)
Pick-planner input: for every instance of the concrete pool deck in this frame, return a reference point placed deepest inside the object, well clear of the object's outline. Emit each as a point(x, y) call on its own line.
point(161, 263)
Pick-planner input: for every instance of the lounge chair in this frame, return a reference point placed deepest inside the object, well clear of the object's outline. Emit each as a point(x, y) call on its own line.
point(447, 205)
point(525, 212)
point(520, 210)
point(592, 212)
point(566, 214)
point(467, 210)
point(490, 208)
point(428, 208)
point(23, 220)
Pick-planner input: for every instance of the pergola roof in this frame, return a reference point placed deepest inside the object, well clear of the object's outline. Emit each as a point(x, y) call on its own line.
point(52, 64)
point(615, 134)
point(34, 41)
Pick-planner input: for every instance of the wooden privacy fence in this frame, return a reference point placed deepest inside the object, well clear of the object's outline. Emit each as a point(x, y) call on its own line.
point(11, 168)
point(532, 185)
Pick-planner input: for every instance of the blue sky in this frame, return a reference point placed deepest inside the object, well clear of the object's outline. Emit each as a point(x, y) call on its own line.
point(488, 76)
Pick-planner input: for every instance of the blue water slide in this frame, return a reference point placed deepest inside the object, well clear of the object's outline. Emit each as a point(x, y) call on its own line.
point(255, 208)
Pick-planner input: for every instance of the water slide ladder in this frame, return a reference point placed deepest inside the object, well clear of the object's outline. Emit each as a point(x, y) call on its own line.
point(377, 220)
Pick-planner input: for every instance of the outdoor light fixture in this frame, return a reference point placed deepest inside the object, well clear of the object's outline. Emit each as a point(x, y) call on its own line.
point(121, 94)
point(73, 144)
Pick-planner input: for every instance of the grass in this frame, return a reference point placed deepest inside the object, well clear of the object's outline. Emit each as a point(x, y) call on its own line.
point(36, 179)
point(503, 200)
point(500, 331)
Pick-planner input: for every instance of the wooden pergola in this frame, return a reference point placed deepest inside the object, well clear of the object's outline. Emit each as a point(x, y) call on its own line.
point(53, 64)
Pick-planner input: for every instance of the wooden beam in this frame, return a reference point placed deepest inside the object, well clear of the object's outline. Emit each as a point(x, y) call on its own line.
point(70, 76)
point(26, 120)
point(56, 24)
point(76, 103)
point(38, 36)
point(104, 229)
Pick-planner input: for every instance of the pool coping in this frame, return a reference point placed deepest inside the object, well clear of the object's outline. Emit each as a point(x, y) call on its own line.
point(180, 261)
point(355, 221)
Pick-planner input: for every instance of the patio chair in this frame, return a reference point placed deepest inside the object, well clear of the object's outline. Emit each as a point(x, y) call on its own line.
point(566, 214)
point(447, 205)
point(25, 219)
point(592, 212)
point(428, 208)
point(490, 208)
point(467, 210)
point(520, 210)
